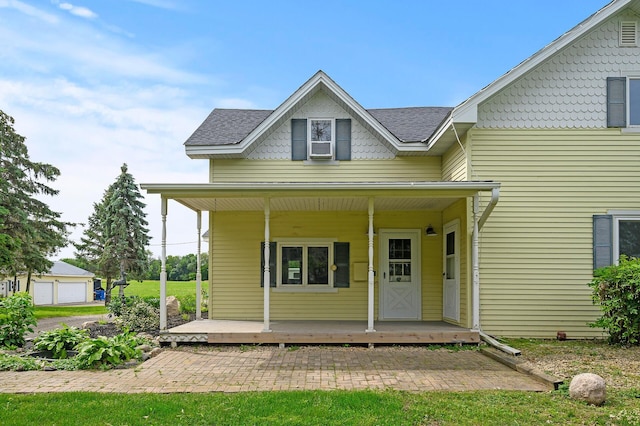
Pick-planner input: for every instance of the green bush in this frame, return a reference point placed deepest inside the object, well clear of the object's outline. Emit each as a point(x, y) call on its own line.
point(60, 340)
point(140, 316)
point(188, 303)
point(18, 363)
point(16, 319)
point(616, 289)
point(107, 352)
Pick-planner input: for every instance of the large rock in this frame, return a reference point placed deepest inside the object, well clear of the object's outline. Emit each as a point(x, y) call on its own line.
point(173, 306)
point(588, 387)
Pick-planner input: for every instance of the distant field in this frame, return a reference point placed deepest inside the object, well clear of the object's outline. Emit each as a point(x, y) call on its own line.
point(152, 288)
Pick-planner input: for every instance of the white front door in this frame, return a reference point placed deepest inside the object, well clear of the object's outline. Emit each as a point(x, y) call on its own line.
point(400, 275)
point(451, 273)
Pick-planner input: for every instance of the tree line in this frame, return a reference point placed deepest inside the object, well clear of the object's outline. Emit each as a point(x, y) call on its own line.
point(179, 268)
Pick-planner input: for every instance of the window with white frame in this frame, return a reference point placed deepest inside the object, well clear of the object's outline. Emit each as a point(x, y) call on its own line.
point(305, 264)
point(321, 137)
point(626, 236)
point(623, 101)
point(615, 234)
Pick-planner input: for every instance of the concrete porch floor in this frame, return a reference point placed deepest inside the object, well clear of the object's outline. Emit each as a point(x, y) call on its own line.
point(318, 332)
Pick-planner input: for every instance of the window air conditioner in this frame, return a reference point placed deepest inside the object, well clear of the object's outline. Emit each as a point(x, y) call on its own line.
point(321, 150)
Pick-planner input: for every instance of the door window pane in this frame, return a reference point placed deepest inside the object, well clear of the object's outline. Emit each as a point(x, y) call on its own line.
point(450, 267)
point(629, 237)
point(318, 269)
point(291, 265)
point(399, 260)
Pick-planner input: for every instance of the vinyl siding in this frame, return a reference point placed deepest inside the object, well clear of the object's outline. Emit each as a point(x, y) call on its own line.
point(536, 248)
point(454, 164)
point(234, 277)
point(398, 169)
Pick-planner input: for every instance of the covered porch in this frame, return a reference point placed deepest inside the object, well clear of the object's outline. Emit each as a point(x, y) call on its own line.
point(359, 318)
point(319, 332)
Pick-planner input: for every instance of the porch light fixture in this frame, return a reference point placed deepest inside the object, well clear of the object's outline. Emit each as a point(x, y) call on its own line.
point(430, 232)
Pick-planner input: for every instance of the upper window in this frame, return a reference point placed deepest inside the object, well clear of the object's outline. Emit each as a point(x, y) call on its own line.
point(321, 137)
point(623, 101)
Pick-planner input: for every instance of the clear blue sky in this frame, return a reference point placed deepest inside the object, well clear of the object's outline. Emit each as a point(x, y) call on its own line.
point(96, 83)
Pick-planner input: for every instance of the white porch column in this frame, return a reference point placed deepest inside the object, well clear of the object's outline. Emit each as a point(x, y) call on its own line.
point(267, 269)
point(198, 270)
point(475, 265)
point(371, 277)
point(163, 266)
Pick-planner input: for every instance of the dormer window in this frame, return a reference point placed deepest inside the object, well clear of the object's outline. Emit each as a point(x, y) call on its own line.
point(321, 138)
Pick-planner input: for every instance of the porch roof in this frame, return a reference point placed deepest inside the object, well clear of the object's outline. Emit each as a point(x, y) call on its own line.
point(317, 196)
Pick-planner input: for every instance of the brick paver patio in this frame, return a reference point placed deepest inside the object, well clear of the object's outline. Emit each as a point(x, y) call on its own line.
point(210, 369)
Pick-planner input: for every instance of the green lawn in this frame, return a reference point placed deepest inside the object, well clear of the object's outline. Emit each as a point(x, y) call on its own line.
point(152, 288)
point(68, 311)
point(316, 408)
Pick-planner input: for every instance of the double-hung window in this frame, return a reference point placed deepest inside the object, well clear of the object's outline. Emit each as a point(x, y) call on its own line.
point(305, 264)
point(614, 235)
point(623, 101)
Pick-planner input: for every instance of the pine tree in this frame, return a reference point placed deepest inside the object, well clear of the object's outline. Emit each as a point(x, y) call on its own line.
point(30, 232)
point(116, 237)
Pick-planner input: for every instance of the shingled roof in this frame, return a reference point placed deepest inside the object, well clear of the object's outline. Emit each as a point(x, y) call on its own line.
point(231, 126)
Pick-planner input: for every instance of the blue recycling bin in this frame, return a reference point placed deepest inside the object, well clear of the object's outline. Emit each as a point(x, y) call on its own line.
point(99, 294)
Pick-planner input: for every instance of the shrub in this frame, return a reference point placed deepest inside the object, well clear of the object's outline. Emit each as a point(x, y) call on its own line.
point(616, 289)
point(60, 340)
point(106, 352)
point(140, 316)
point(18, 363)
point(188, 303)
point(16, 319)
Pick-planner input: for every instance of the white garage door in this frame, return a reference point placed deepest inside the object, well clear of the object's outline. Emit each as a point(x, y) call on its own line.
point(42, 293)
point(72, 292)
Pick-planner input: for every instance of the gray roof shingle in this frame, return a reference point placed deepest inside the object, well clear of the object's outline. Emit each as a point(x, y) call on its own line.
point(62, 268)
point(231, 126)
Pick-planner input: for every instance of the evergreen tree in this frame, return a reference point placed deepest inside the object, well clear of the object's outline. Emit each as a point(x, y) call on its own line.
point(30, 232)
point(116, 237)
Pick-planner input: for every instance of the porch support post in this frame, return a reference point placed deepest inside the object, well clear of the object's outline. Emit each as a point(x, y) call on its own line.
point(163, 266)
point(370, 274)
point(267, 269)
point(475, 265)
point(199, 270)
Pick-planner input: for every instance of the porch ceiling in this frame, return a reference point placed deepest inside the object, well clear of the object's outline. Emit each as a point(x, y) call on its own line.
point(309, 196)
point(315, 204)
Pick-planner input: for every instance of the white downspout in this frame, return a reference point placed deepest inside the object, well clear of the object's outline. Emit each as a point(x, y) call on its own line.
point(198, 270)
point(371, 274)
point(475, 258)
point(267, 268)
point(163, 266)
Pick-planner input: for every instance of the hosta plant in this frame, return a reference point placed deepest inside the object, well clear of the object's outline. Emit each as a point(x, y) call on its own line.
point(60, 340)
point(107, 352)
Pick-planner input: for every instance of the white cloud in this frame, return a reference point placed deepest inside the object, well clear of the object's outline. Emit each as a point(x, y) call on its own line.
point(80, 11)
point(29, 10)
point(161, 4)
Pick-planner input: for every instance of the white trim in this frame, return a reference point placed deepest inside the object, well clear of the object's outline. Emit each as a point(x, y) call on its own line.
point(314, 288)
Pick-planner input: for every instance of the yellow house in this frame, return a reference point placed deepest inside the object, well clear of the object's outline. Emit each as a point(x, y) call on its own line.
point(489, 216)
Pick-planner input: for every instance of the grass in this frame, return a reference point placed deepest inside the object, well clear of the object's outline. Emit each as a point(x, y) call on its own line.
point(152, 288)
point(315, 408)
point(68, 311)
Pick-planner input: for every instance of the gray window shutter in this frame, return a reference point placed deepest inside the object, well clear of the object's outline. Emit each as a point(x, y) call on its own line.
point(341, 260)
point(343, 139)
point(273, 247)
point(602, 240)
point(298, 139)
point(616, 102)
